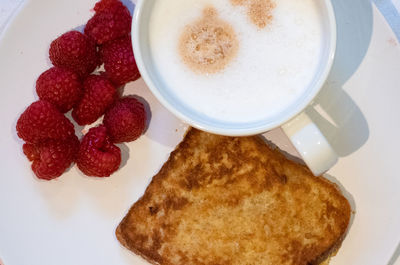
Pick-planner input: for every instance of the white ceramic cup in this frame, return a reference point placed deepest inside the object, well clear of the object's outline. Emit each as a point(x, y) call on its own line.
point(304, 134)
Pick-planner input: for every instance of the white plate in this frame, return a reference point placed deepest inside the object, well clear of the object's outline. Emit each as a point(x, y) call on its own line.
point(72, 220)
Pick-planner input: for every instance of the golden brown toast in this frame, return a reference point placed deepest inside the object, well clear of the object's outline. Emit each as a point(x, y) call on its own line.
point(223, 200)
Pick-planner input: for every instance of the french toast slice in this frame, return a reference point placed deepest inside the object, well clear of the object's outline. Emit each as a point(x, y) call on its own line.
point(225, 200)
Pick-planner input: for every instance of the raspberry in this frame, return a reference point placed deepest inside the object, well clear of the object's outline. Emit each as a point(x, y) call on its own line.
point(119, 61)
point(125, 120)
point(111, 21)
point(74, 51)
point(42, 121)
point(97, 156)
point(59, 86)
point(98, 95)
point(31, 151)
point(52, 157)
point(105, 5)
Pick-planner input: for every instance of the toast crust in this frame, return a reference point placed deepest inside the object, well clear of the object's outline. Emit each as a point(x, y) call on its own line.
point(224, 200)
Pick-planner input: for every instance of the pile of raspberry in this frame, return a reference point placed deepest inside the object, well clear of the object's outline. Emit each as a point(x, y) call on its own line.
point(72, 83)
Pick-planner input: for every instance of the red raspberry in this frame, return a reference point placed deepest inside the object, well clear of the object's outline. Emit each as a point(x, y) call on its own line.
point(98, 156)
point(51, 158)
point(31, 151)
point(98, 95)
point(125, 120)
point(111, 21)
point(42, 121)
point(59, 86)
point(105, 5)
point(74, 51)
point(119, 61)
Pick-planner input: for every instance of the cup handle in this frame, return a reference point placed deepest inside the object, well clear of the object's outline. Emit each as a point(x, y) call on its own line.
point(312, 145)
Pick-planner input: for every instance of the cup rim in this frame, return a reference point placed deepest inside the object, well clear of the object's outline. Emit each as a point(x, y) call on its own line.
point(327, 66)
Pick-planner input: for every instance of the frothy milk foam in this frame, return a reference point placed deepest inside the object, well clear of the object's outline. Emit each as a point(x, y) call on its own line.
point(272, 67)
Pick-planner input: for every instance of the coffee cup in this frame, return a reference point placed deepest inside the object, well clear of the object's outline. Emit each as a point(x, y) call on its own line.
point(315, 150)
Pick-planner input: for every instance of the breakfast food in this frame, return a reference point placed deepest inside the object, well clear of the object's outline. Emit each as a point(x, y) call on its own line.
point(51, 158)
point(42, 121)
point(125, 120)
point(59, 86)
point(51, 143)
point(74, 51)
point(98, 156)
point(273, 66)
point(208, 44)
point(99, 93)
point(224, 200)
point(119, 61)
point(111, 21)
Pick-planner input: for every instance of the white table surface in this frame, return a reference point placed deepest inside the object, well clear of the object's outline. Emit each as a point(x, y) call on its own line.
point(387, 7)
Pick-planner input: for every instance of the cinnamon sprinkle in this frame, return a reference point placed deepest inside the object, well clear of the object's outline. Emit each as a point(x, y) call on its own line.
point(208, 44)
point(258, 11)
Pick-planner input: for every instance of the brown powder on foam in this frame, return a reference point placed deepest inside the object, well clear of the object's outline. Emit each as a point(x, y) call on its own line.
point(259, 11)
point(209, 44)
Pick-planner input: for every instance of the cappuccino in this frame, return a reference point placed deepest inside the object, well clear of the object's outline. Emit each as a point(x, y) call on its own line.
point(236, 61)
